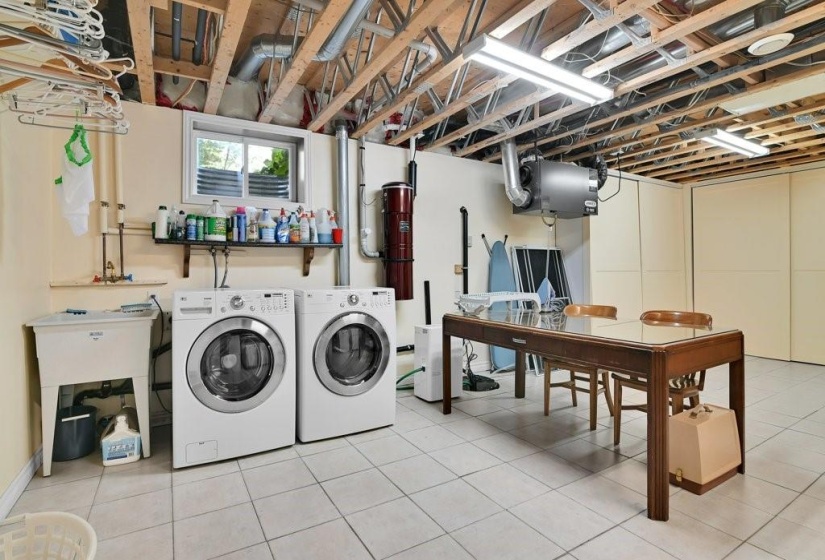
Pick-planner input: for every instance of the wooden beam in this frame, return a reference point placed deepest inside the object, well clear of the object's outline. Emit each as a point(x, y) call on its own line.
point(508, 22)
point(677, 32)
point(182, 68)
point(789, 161)
point(595, 27)
point(741, 164)
point(233, 21)
point(426, 14)
point(215, 6)
point(139, 24)
point(301, 59)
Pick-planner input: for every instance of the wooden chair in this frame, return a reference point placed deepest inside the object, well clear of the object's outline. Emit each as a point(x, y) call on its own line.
point(681, 388)
point(596, 379)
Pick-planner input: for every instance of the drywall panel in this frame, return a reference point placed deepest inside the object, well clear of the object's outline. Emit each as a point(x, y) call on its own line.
point(622, 289)
point(614, 233)
point(807, 266)
point(26, 189)
point(741, 260)
point(662, 238)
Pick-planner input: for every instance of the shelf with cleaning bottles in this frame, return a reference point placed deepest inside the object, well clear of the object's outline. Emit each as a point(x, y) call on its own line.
point(309, 248)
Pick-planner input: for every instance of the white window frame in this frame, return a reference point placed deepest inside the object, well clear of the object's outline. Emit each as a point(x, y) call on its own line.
point(297, 141)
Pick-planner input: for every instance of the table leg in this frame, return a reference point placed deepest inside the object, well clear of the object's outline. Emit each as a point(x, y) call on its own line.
point(141, 386)
point(521, 370)
point(446, 349)
point(48, 416)
point(736, 379)
point(657, 452)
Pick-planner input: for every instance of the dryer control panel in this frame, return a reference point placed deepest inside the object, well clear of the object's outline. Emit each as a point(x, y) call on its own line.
point(343, 299)
point(257, 302)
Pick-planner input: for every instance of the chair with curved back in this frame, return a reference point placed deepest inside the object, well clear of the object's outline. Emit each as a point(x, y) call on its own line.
point(596, 379)
point(680, 388)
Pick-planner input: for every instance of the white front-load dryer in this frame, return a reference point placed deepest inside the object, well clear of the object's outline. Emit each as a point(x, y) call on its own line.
point(346, 361)
point(233, 374)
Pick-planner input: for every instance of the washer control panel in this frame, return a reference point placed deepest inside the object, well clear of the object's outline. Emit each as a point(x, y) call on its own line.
point(258, 302)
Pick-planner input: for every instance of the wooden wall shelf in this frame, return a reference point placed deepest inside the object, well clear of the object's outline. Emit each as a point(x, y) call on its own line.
point(309, 249)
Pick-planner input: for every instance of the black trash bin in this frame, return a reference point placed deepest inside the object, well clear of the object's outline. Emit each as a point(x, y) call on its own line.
point(74, 434)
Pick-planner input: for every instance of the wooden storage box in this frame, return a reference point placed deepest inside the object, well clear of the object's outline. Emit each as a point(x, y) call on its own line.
point(703, 448)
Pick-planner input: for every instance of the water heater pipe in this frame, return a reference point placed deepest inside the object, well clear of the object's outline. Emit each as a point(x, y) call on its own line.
point(362, 203)
point(342, 138)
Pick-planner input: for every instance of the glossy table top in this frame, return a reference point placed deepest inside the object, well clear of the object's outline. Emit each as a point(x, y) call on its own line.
point(621, 329)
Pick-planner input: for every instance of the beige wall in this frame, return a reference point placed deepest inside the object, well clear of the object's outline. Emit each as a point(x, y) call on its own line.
point(38, 246)
point(26, 179)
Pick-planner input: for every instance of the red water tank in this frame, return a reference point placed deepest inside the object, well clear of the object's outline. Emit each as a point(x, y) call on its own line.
point(398, 238)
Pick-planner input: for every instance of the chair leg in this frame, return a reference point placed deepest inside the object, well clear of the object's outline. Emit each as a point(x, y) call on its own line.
point(573, 388)
point(607, 395)
point(617, 411)
point(678, 404)
point(594, 395)
point(694, 401)
point(547, 370)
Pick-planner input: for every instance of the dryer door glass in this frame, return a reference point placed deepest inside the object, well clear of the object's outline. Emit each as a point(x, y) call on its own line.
point(236, 364)
point(351, 354)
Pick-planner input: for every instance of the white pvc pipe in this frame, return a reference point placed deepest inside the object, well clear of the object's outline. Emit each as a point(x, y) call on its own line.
point(362, 203)
point(121, 212)
point(103, 178)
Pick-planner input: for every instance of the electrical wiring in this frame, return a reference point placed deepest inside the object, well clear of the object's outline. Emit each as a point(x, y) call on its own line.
point(155, 355)
point(618, 190)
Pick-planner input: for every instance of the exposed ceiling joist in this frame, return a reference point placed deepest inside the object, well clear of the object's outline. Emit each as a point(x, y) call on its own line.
point(425, 15)
point(508, 22)
point(183, 68)
point(139, 23)
point(788, 160)
point(236, 11)
point(216, 6)
point(321, 29)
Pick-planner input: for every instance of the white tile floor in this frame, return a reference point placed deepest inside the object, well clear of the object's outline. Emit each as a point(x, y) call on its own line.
point(495, 479)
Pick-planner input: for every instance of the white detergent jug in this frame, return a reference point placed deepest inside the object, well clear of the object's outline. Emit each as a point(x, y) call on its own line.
point(119, 443)
point(324, 228)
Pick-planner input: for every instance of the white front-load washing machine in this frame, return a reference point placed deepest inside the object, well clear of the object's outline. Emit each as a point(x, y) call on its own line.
point(346, 361)
point(233, 374)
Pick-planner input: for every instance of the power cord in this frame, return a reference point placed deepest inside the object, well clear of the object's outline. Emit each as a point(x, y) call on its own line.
point(619, 167)
point(155, 354)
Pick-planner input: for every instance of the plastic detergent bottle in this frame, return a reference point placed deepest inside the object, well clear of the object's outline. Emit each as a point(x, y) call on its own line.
point(313, 228)
point(266, 227)
point(162, 223)
point(282, 230)
point(240, 217)
point(215, 223)
point(294, 228)
point(120, 443)
point(324, 229)
point(304, 224)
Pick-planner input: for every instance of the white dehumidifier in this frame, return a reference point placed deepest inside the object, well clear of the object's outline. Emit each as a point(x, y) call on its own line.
point(428, 354)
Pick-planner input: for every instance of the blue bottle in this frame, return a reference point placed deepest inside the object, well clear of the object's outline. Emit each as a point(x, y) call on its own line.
point(282, 229)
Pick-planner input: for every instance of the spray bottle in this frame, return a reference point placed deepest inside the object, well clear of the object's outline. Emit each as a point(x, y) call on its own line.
point(304, 228)
point(313, 228)
point(282, 229)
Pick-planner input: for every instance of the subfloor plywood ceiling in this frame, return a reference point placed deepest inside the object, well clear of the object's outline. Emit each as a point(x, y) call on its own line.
point(394, 69)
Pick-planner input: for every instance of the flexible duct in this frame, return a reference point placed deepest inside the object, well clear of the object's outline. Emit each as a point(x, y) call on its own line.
point(347, 25)
point(362, 203)
point(512, 185)
point(342, 138)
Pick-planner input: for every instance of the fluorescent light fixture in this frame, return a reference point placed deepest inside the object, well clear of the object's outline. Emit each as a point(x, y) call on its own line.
point(501, 56)
point(732, 142)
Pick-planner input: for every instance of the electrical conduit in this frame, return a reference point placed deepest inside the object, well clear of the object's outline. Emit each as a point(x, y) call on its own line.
point(362, 203)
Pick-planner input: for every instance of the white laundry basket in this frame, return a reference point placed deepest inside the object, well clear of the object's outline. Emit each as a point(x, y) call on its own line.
point(47, 536)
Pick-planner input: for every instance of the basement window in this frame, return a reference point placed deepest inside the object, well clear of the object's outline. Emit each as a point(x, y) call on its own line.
point(241, 163)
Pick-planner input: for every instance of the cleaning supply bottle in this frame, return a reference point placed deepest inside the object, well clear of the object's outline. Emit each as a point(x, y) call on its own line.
point(266, 227)
point(282, 231)
point(252, 234)
point(313, 228)
point(180, 227)
point(162, 223)
point(120, 441)
point(240, 218)
point(304, 225)
point(294, 228)
point(332, 223)
point(324, 229)
point(215, 223)
point(172, 222)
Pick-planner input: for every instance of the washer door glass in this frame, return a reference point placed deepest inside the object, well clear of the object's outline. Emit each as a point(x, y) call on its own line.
point(236, 364)
point(351, 354)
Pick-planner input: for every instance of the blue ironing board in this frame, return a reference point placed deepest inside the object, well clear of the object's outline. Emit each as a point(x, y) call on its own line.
point(501, 280)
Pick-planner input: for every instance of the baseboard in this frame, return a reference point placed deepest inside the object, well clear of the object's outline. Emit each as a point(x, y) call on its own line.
point(18, 485)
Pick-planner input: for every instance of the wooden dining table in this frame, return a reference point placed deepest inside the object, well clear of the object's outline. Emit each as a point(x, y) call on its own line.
point(656, 353)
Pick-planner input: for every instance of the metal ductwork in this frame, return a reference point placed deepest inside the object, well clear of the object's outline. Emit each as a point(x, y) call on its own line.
point(266, 46)
point(519, 196)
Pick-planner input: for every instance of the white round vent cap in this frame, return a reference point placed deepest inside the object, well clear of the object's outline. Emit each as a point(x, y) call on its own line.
point(770, 44)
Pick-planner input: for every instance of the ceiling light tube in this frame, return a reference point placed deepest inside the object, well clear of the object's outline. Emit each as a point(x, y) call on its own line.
point(501, 56)
point(732, 142)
